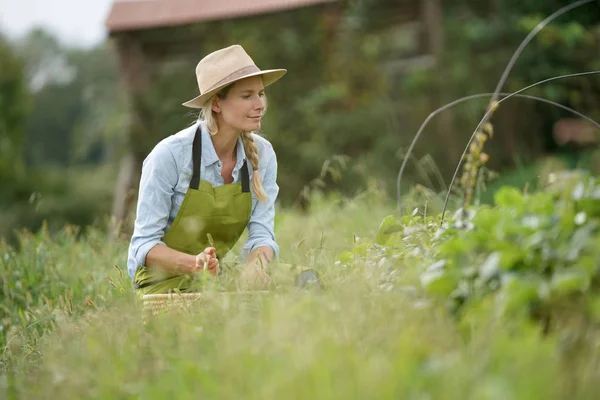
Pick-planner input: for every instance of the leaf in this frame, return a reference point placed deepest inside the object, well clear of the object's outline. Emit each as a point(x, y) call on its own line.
point(594, 308)
point(319, 183)
point(436, 280)
point(386, 228)
point(487, 219)
point(346, 257)
point(300, 243)
point(510, 257)
point(396, 228)
point(362, 249)
point(324, 168)
point(509, 197)
point(490, 267)
point(335, 174)
point(578, 191)
point(568, 282)
point(580, 218)
point(517, 292)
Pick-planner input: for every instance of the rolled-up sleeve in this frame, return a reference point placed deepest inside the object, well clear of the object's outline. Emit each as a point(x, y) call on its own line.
point(158, 180)
point(261, 229)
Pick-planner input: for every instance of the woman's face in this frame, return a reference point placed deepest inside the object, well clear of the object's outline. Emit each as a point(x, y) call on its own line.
point(244, 105)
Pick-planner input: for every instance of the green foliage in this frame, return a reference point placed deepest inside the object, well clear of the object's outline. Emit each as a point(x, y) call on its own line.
point(56, 197)
point(73, 328)
point(77, 119)
point(480, 38)
point(533, 254)
point(48, 278)
point(14, 106)
point(529, 250)
point(80, 109)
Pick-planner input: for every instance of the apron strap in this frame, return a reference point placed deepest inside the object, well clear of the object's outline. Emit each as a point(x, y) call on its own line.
point(245, 178)
point(197, 161)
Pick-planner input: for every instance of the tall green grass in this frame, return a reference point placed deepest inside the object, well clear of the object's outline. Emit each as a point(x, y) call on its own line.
point(72, 328)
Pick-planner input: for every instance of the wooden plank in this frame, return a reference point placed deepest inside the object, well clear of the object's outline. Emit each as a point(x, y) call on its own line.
point(137, 74)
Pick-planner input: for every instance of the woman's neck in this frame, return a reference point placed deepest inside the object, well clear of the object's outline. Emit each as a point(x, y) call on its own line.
point(224, 143)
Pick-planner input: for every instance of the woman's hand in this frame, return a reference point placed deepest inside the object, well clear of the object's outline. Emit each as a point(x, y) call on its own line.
point(207, 261)
point(254, 276)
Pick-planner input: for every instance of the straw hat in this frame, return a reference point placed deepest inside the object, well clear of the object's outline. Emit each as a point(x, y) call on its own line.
point(225, 66)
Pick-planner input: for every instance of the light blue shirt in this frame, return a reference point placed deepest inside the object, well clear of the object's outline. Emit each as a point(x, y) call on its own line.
point(166, 175)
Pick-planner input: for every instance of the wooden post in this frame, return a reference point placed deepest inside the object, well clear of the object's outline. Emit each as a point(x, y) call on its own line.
point(494, 7)
point(330, 20)
point(433, 21)
point(433, 27)
point(136, 78)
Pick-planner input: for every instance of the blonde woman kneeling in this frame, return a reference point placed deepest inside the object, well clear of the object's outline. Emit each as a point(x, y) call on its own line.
point(201, 187)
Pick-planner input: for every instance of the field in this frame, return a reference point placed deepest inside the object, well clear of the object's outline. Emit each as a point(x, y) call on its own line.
point(502, 308)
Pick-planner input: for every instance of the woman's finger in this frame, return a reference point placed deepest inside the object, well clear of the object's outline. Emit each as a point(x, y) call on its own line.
point(201, 259)
point(265, 278)
point(213, 266)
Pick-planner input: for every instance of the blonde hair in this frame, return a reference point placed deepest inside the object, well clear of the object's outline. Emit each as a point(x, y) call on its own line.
point(250, 148)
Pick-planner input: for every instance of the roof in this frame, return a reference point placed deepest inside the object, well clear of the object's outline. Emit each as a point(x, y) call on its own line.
point(129, 15)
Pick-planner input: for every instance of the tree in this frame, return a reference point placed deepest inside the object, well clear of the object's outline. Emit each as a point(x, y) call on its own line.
point(14, 108)
point(45, 60)
point(79, 109)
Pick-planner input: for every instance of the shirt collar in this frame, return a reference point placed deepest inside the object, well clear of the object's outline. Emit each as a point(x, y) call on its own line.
point(209, 155)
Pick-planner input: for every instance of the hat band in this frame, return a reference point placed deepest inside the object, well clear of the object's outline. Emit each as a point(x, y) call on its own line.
point(240, 73)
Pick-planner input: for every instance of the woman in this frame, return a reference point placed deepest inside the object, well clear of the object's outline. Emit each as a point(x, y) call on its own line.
point(201, 187)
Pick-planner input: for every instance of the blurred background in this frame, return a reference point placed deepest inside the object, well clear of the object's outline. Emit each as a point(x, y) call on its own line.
point(88, 88)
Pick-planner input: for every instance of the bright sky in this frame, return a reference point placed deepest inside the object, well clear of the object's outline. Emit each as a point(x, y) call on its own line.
point(74, 22)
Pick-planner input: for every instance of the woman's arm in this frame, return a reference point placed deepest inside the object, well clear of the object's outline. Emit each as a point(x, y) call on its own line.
point(157, 185)
point(261, 229)
point(261, 256)
point(256, 269)
point(261, 246)
point(176, 262)
point(169, 260)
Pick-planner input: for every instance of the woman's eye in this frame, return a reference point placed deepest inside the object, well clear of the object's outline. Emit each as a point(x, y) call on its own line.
point(247, 96)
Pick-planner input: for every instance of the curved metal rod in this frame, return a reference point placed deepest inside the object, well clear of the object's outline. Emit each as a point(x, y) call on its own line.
point(487, 114)
point(501, 83)
point(462, 100)
point(528, 39)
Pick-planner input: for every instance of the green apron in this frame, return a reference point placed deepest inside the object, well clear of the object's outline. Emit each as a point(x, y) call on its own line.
point(221, 212)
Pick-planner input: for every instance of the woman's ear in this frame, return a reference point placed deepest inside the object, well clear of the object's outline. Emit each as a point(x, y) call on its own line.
point(216, 105)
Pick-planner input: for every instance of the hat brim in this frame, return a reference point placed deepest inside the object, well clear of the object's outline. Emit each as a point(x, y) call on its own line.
point(269, 76)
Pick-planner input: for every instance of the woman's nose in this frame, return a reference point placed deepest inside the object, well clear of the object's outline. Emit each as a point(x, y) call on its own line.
point(259, 104)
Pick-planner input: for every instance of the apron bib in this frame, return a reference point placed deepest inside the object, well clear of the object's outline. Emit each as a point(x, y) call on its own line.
point(218, 214)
